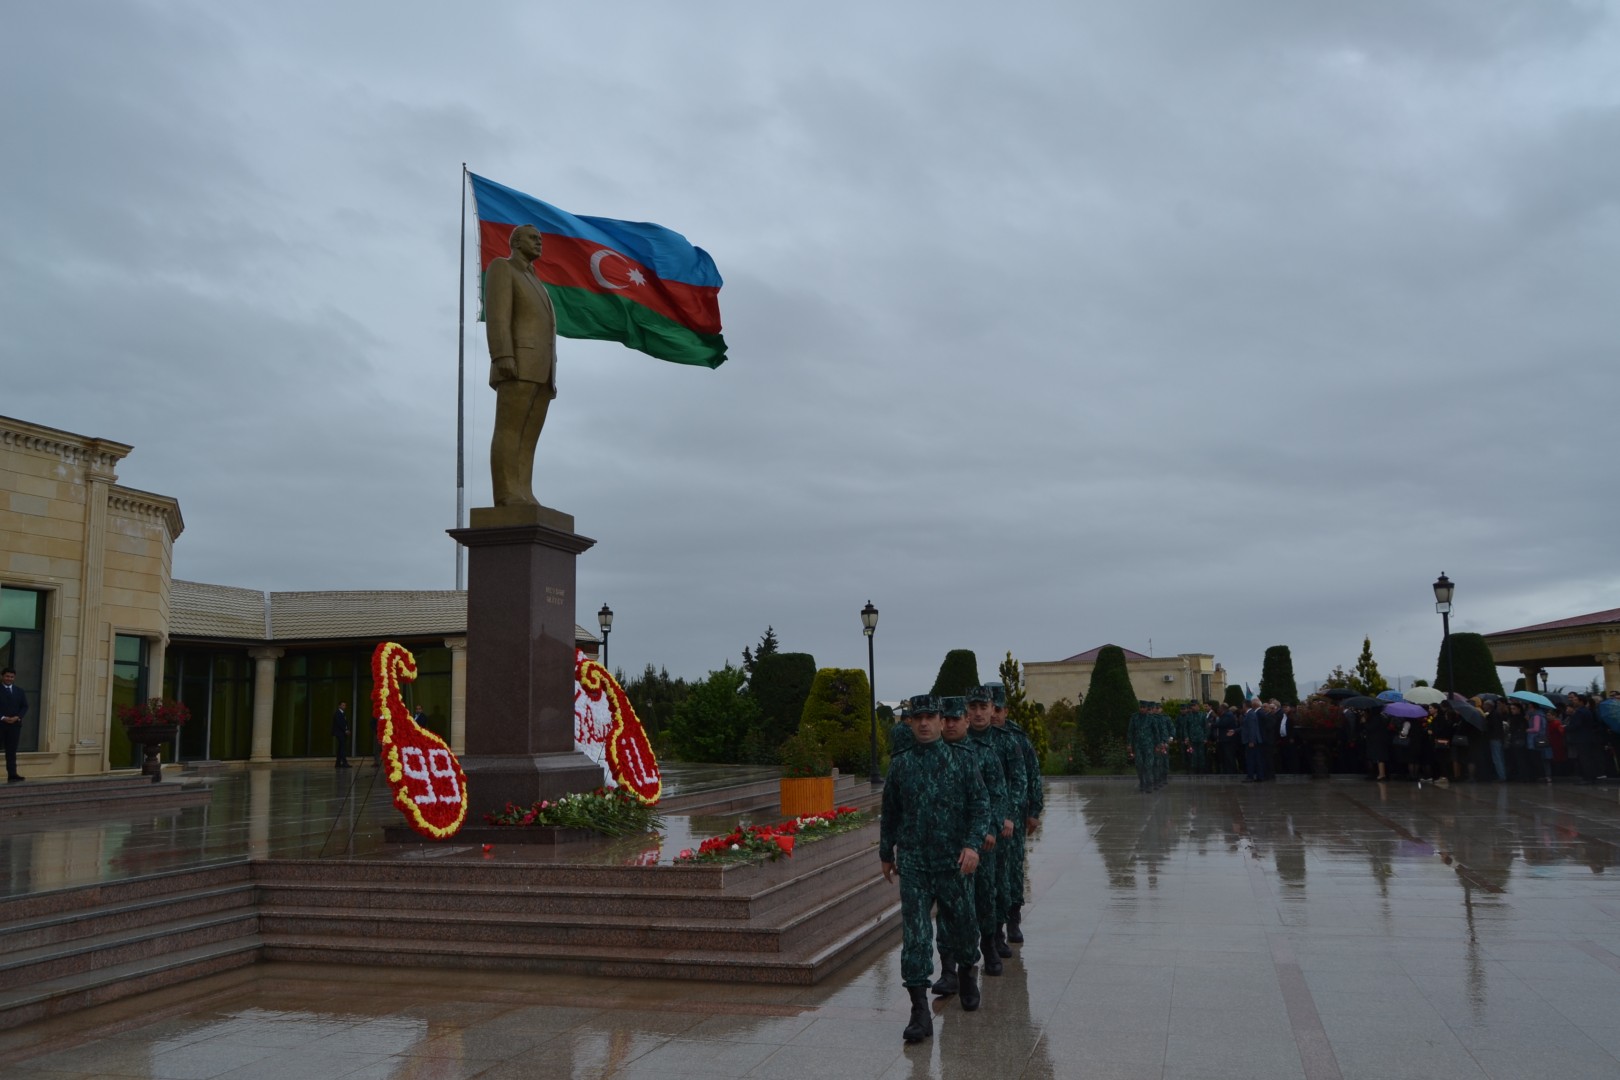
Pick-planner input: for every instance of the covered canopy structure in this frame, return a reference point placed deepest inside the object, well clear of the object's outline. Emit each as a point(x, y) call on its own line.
point(1582, 641)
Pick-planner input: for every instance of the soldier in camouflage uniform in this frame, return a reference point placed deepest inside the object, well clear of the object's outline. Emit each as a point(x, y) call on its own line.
point(1026, 815)
point(900, 737)
point(956, 732)
point(936, 812)
point(1141, 735)
point(1196, 725)
point(981, 726)
point(1161, 754)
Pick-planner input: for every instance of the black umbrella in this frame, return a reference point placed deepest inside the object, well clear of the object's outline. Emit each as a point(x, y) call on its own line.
point(1490, 697)
point(1469, 713)
point(1339, 693)
point(1559, 700)
point(1363, 702)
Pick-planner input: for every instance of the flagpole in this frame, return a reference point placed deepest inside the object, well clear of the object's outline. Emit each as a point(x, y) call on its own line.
point(461, 385)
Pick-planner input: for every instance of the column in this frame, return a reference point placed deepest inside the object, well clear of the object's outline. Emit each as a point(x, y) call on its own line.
point(264, 699)
point(1529, 674)
point(458, 694)
point(92, 711)
point(1611, 670)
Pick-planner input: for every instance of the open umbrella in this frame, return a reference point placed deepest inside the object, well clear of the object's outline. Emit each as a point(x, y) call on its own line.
point(1339, 693)
point(1490, 697)
point(1363, 702)
point(1424, 695)
point(1609, 713)
point(1531, 696)
point(1470, 714)
point(1390, 695)
point(1559, 700)
point(1405, 710)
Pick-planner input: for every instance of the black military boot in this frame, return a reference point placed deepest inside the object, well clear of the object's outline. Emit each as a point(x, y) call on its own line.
point(1015, 932)
point(1003, 950)
point(945, 985)
point(992, 962)
point(970, 987)
point(922, 1021)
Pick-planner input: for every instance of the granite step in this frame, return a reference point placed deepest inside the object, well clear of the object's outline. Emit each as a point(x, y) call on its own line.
point(801, 968)
point(111, 918)
point(38, 1000)
point(80, 898)
point(56, 803)
point(110, 949)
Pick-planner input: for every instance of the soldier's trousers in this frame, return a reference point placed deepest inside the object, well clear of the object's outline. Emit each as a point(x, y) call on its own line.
point(1012, 891)
point(1161, 767)
point(1196, 763)
point(952, 893)
point(1144, 769)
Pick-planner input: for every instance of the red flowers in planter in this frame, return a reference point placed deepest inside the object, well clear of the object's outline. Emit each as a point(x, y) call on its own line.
point(154, 712)
point(773, 841)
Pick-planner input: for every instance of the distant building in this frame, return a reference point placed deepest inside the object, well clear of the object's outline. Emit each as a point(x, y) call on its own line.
point(1154, 678)
point(91, 619)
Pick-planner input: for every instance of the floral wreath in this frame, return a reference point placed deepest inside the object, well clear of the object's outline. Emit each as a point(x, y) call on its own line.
point(618, 741)
point(429, 787)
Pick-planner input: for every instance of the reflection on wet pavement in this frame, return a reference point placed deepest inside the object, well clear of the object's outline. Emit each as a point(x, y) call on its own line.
point(1320, 931)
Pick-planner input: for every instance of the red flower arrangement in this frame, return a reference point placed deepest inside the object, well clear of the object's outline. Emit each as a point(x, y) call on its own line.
point(154, 712)
point(774, 841)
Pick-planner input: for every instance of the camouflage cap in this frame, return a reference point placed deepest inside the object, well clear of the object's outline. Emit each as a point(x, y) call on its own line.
point(979, 693)
point(924, 703)
point(998, 694)
point(953, 706)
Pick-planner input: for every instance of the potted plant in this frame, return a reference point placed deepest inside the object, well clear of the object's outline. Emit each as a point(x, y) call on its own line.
point(151, 724)
point(807, 782)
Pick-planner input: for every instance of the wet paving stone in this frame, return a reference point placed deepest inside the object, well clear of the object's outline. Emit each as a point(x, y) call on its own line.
point(1329, 931)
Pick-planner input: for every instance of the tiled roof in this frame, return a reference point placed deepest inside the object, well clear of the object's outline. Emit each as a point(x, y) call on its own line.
point(1090, 656)
point(1597, 618)
point(303, 616)
point(215, 611)
point(220, 611)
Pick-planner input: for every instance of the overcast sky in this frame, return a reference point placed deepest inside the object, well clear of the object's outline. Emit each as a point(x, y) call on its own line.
point(1215, 325)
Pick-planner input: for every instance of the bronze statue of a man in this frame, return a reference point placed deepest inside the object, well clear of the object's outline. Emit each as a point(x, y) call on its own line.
point(522, 328)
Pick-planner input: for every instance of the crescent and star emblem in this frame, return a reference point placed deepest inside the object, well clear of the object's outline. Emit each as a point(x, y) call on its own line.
point(635, 275)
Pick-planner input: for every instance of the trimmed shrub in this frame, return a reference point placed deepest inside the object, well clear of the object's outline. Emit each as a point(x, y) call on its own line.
point(957, 674)
point(1277, 676)
point(1109, 704)
point(1476, 667)
point(781, 685)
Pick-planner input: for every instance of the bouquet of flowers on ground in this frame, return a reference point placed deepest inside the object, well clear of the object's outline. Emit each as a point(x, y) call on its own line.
point(774, 841)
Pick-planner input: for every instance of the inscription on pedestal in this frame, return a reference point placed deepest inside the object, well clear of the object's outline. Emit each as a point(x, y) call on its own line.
point(556, 596)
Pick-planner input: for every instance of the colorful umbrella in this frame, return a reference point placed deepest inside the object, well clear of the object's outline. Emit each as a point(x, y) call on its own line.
point(1531, 696)
point(1424, 695)
point(1405, 710)
point(1390, 695)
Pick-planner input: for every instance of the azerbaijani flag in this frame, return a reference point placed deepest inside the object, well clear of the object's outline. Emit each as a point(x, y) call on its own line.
point(627, 281)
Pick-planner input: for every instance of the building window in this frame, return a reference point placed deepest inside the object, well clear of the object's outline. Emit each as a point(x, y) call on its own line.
point(128, 688)
point(218, 689)
point(22, 646)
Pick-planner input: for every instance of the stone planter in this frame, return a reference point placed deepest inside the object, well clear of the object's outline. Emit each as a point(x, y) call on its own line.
point(151, 738)
point(803, 795)
point(1321, 742)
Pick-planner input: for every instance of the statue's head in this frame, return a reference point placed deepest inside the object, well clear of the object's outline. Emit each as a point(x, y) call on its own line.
point(526, 242)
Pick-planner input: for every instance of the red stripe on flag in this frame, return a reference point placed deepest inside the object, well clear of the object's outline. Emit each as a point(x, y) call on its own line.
point(567, 260)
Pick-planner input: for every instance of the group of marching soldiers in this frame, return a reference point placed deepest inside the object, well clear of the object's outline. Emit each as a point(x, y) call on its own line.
point(963, 792)
point(1148, 736)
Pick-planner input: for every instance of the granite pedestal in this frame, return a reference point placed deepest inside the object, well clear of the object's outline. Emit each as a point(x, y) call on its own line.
point(520, 658)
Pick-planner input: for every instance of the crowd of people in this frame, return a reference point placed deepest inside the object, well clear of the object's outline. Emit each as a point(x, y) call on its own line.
point(1485, 738)
point(963, 791)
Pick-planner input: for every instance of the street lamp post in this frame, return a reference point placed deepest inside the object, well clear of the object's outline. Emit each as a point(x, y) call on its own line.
point(1442, 603)
point(604, 619)
point(869, 617)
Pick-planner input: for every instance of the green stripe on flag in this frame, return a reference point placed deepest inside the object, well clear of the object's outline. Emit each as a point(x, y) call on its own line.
point(582, 313)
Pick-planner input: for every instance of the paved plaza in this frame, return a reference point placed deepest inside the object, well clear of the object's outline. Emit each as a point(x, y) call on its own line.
point(1214, 930)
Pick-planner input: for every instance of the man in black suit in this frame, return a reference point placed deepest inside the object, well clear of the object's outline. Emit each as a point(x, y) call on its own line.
point(340, 732)
point(13, 707)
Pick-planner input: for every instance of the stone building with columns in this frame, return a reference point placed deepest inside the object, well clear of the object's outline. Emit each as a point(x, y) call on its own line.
point(1579, 641)
point(91, 618)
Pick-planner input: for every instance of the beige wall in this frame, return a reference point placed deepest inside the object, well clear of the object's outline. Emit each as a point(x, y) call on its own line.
point(102, 554)
point(1048, 681)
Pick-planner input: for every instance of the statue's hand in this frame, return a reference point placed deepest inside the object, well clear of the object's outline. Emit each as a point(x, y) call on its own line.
point(505, 367)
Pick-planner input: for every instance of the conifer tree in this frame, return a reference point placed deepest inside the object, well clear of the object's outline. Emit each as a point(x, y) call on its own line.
point(1109, 704)
point(958, 674)
point(1476, 667)
point(1277, 676)
point(1365, 679)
